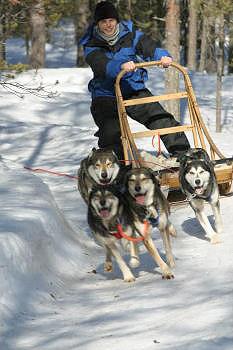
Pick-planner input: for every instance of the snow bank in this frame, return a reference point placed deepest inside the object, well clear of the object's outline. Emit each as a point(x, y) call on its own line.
point(39, 251)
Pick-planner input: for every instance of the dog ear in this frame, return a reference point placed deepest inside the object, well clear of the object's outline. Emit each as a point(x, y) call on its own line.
point(157, 175)
point(114, 154)
point(183, 158)
point(91, 153)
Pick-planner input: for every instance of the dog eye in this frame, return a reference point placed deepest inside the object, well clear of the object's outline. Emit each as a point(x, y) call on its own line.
point(109, 165)
point(145, 179)
point(191, 173)
point(201, 171)
point(97, 165)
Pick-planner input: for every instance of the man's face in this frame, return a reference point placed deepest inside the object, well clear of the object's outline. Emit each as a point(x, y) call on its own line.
point(107, 26)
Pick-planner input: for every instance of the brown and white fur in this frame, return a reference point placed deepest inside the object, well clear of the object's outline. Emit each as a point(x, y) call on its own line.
point(106, 209)
point(147, 202)
point(199, 184)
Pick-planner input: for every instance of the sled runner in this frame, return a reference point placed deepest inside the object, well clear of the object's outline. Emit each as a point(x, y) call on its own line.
point(169, 176)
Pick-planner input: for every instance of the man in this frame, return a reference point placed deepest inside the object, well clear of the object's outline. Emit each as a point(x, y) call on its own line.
point(111, 45)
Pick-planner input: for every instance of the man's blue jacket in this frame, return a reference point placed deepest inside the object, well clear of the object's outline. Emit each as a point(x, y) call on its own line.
point(105, 60)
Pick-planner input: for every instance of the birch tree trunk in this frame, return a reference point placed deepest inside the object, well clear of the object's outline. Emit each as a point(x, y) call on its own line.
point(172, 29)
point(38, 35)
point(192, 35)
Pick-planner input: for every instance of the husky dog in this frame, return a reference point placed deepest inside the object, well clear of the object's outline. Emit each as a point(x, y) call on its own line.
point(198, 182)
point(147, 202)
point(101, 167)
point(106, 209)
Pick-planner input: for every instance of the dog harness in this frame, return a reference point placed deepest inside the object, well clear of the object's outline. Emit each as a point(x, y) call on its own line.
point(119, 233)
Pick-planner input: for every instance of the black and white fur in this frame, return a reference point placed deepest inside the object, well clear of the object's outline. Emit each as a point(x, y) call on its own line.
point(198, 182)
point(147, 202)
point(106, 209)
point(101, 167)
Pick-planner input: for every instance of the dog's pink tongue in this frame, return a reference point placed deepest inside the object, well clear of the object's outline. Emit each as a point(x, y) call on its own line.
point(140, 199)
point(199, 190)
point(104, 213)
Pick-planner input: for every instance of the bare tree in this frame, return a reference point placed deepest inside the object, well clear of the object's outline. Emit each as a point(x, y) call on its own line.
point(203, 44)
point(172, 28)
point(129, 8)
point(192, 35)
point(82, 17)
point(38, 35)
point(208, 55)
point(220, 67)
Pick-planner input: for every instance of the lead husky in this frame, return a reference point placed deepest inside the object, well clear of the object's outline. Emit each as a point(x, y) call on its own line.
point(198, 182)
point(106, 209)
point(147, 202)
point(101, 167)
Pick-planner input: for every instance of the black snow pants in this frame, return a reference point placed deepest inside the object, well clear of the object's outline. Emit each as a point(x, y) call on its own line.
point(151, 115)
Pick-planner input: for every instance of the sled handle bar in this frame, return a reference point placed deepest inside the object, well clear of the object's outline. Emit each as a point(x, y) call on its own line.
point(151, 64)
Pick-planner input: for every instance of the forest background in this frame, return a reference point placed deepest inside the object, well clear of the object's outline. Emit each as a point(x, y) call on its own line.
point(197, 33)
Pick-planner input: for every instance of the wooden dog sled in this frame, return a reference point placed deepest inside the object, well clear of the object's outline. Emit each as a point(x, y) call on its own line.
point(201, 138)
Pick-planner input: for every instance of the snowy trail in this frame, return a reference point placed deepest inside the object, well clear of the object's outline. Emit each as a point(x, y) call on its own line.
point(98, 311)
point(51, 299)
point(95, 311)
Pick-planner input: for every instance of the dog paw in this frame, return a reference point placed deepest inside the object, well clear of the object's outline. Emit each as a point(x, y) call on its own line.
point(168, 275)
point(215, 239)
point(108, 267)
point(134, 262)
point(130, 278)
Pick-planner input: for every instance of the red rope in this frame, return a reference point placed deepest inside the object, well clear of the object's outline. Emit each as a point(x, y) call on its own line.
point(121, 233)
point(40, 170)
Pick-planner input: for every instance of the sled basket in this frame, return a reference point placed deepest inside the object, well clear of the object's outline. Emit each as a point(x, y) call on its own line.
point(201, 138)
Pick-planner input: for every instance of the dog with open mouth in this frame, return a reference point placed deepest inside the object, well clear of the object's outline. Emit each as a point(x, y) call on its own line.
point(106, 210)
point(148, 203)
point(198, 182)
point(101, 167)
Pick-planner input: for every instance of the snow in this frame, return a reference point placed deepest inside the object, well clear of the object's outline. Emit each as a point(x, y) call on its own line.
point(54, 293)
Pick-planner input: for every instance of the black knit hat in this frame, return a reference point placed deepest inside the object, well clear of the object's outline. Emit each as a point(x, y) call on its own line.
point(104, 10)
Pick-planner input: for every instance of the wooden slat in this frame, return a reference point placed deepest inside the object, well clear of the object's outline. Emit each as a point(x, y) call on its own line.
point(224, 173)
point(139, 101)
point(163, 131)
